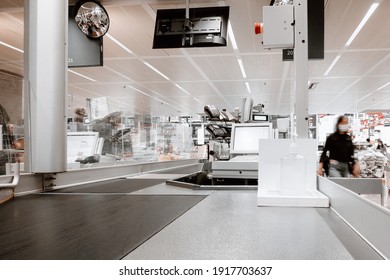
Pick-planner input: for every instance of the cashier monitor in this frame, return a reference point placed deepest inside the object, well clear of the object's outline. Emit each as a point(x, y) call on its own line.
point(81, 144)
point(245, 137)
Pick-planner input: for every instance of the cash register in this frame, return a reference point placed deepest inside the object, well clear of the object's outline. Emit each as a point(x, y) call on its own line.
point(244, 151)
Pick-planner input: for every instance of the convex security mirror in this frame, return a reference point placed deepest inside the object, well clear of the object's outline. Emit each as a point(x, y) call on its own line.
point(91, 18)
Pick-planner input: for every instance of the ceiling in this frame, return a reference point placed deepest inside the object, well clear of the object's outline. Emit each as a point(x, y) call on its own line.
point(200, 76)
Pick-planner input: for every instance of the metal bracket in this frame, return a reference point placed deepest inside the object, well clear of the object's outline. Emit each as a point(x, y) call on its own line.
point(48, 180)
point(12, 185)
point(15, 179)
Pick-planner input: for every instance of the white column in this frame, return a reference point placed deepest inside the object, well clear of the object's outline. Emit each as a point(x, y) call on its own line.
point(45, 73)
point(301, 69)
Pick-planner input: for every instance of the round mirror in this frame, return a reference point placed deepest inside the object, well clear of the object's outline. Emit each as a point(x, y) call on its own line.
point(91, 18)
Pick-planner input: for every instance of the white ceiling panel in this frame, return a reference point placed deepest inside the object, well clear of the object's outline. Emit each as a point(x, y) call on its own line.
point(9, 54)
point(383, 68)
point(342, 18)
point(315, 108)
point(176, 68)
point(368, 84)
point(266, 66)
point(336, 14)
point(11, 29)
point(358, 63)
point(381, 96)
point(375, 33)
point(213, 75)
point(242, 24)
point(112, 50)
point(12, 66)
point(274, 87)
point(165, 89)
point(134, 69)
point(99, 74)
point(130, 31)
point(8, 5)
point(111, 90)
point(332, 85)
point(219, 67)
point(198, 88)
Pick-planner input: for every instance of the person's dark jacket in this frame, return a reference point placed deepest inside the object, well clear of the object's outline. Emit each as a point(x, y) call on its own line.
point(340, 148)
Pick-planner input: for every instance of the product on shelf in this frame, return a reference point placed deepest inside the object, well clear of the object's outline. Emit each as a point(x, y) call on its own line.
point(371, 163)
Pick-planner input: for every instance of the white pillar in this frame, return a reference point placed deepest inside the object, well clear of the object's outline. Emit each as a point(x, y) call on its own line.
point(45, 73)
point(301, 69)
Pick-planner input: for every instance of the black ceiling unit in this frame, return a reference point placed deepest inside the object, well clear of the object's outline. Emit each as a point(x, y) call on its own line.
point(205, 27)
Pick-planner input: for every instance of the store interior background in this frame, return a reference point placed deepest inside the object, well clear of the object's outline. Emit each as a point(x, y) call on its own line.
point(163, 109)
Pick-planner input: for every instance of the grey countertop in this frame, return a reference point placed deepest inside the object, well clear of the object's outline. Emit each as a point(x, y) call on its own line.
point(229, 225)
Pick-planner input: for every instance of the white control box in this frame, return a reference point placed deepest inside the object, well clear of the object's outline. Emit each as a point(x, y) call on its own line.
point(278, 22)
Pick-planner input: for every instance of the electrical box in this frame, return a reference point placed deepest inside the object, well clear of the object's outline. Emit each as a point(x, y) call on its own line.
point(278, 24)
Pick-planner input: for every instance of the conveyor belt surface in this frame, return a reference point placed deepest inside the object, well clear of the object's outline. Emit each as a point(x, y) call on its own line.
point(113, 186)
point(180, 170)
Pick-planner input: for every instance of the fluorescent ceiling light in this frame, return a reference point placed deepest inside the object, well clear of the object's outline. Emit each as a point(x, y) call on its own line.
point(383, 86)
point(11, 47)
point(197, 100)
point(231, 36)
point(364, 97)
point(362, 23)
point(155, 70)
point(248, 88)
point(140, 91)
point(331, 66)
point(182, 89)
point(241, 67)
point(119, 44)
point(81, 75)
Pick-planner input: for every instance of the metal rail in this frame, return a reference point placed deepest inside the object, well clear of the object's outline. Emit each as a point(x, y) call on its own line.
point(14, 182)
point(15, 178)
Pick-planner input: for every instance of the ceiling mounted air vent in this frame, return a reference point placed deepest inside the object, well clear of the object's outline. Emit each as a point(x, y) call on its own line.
point(313, 85)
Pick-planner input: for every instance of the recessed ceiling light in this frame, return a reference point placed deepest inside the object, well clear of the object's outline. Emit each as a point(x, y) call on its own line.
point(140, 91)
point(11, 47)
point(231, 36)
point(241, 67)
point(332, 65)
point(248, 88)
point(119, 44)
point(155, 70)
point(385, 85)
point(362, 23)
point(81, 75)
point(182, 89)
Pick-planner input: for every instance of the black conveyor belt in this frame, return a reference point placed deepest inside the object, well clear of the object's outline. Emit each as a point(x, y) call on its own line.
point(61, 227)
point(113, 186)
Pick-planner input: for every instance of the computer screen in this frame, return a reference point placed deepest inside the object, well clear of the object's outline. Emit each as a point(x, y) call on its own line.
point(260, 118)
point(245, 137)
point(81, 144)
